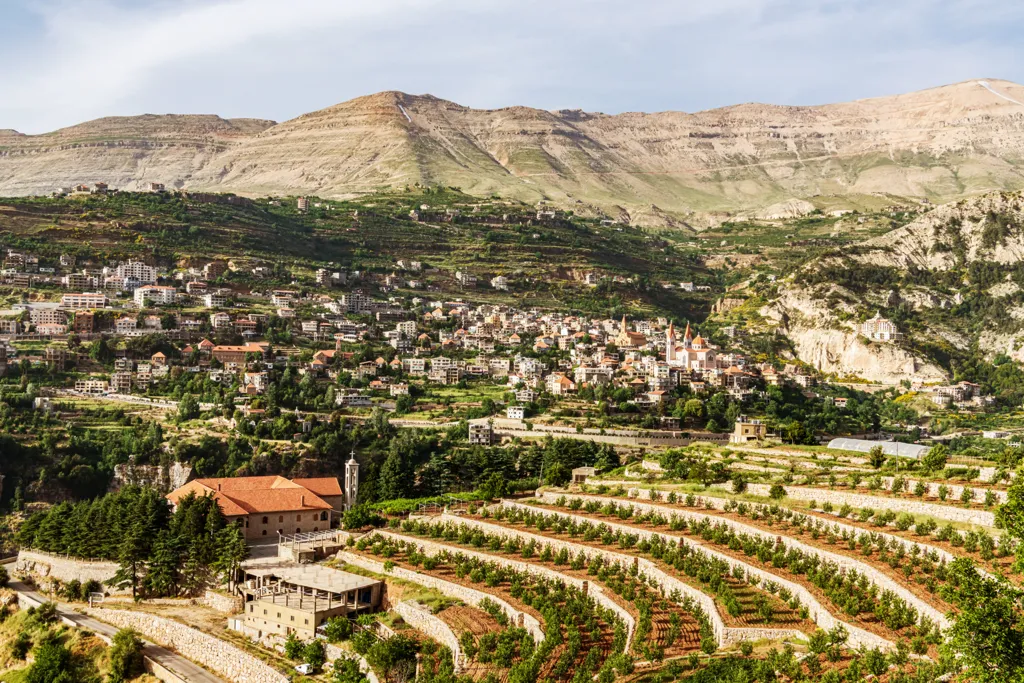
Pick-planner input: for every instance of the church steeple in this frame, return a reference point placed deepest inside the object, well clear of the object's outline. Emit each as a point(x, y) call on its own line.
point(670, 343)
point(624, 328)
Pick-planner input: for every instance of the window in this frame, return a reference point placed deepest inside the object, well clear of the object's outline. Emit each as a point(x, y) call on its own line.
point(293, 617)
point(251, 608)
point(298, 531)
point(298, 518)
point(264, 532)
point(266, 519)
point(307, 622)
point(323, 516)
point(280, 518)
point(316, 528)
point(264, 612)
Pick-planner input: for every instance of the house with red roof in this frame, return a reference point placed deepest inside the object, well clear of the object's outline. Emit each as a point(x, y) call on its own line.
point(271, 505)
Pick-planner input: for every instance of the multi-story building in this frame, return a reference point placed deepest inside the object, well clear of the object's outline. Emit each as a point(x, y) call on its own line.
point(121, 382)
point(137, 270)
point(78, 281)
point(85, 300)
point(236, 355)
point(154, 295)
point(288, 599)
point(354, 302)
point(47, 316)
point(85, 322)
point(125, 325)
point(215, 300)
point(214, 269)
point(880, 329)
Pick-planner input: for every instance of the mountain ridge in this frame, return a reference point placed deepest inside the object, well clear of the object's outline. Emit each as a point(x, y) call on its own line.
point(939, 144)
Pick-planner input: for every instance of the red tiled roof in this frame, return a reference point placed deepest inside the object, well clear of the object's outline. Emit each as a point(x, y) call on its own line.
point(321, 486)
point(248, 495)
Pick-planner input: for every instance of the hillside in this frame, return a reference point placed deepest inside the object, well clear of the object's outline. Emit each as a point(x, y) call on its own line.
point(951, 281)
point(548, 259)
point(939, 144)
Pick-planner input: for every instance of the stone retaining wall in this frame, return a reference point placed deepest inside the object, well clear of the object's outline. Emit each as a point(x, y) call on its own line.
point(423, 620)
point(334, 653)
point(858, 500)
point(65, 569)
point(955, 490)
point(908, 544)
point(646, 567)
point(214, 654)
point(817, 612)
point(432, 548)
point(222, 603)
point(880, 579)
point(453, 590)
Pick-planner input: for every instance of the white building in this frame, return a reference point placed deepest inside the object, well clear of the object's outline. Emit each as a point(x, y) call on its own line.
point(154, 295)
point(880, 329)
point(137, 270)
point(84, 301)
point(214, 300)
point(515, 412)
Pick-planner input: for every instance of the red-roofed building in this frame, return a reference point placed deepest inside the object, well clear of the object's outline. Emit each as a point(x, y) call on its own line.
point(271, 505)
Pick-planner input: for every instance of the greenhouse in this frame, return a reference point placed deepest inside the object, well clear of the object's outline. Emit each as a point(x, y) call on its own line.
point(905, 450)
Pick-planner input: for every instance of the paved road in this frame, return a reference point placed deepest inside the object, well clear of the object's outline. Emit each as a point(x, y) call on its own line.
point(174, 663)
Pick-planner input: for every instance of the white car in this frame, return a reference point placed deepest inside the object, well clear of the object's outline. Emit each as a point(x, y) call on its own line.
point(304, 669)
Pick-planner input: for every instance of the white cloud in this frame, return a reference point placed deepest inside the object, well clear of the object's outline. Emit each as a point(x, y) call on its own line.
point(278, 59)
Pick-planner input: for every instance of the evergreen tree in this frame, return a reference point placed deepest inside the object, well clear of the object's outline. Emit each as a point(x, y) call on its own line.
point(232, 550)
point(132, 559)
point(394, 479)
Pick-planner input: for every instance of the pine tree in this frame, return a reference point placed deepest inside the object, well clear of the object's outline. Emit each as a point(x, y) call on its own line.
point(132, 559)
point(393, 481)
point(163, 577)
point(231, 552)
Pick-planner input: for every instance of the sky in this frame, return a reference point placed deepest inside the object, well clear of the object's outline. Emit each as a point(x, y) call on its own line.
point(66, 61)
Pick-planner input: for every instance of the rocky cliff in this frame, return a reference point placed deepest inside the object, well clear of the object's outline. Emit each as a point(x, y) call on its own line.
point(939, 144)
point(952, 280)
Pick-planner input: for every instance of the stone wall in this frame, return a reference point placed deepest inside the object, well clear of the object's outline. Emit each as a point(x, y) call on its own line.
point(644, 566)
point(453, 590)
point(955, 490)
point(47, 566)
point(431, 548)
point(877, 577)
point(837, 526)
point(423, 620)
point(724, 635)
point(858, 500)
point(817, 612)
point(334, 653)
point(214, 654)
point(227, 604)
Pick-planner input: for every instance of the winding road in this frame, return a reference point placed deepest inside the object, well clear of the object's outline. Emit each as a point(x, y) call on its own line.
point(174, 663)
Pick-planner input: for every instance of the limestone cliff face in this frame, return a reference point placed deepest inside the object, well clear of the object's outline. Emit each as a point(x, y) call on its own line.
point(926, 267)
point(847, 353)
point(820, 339)
point(942, 143)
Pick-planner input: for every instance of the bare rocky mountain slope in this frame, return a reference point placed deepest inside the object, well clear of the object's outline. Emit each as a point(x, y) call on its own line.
point(940, 144)
point(953, 280)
